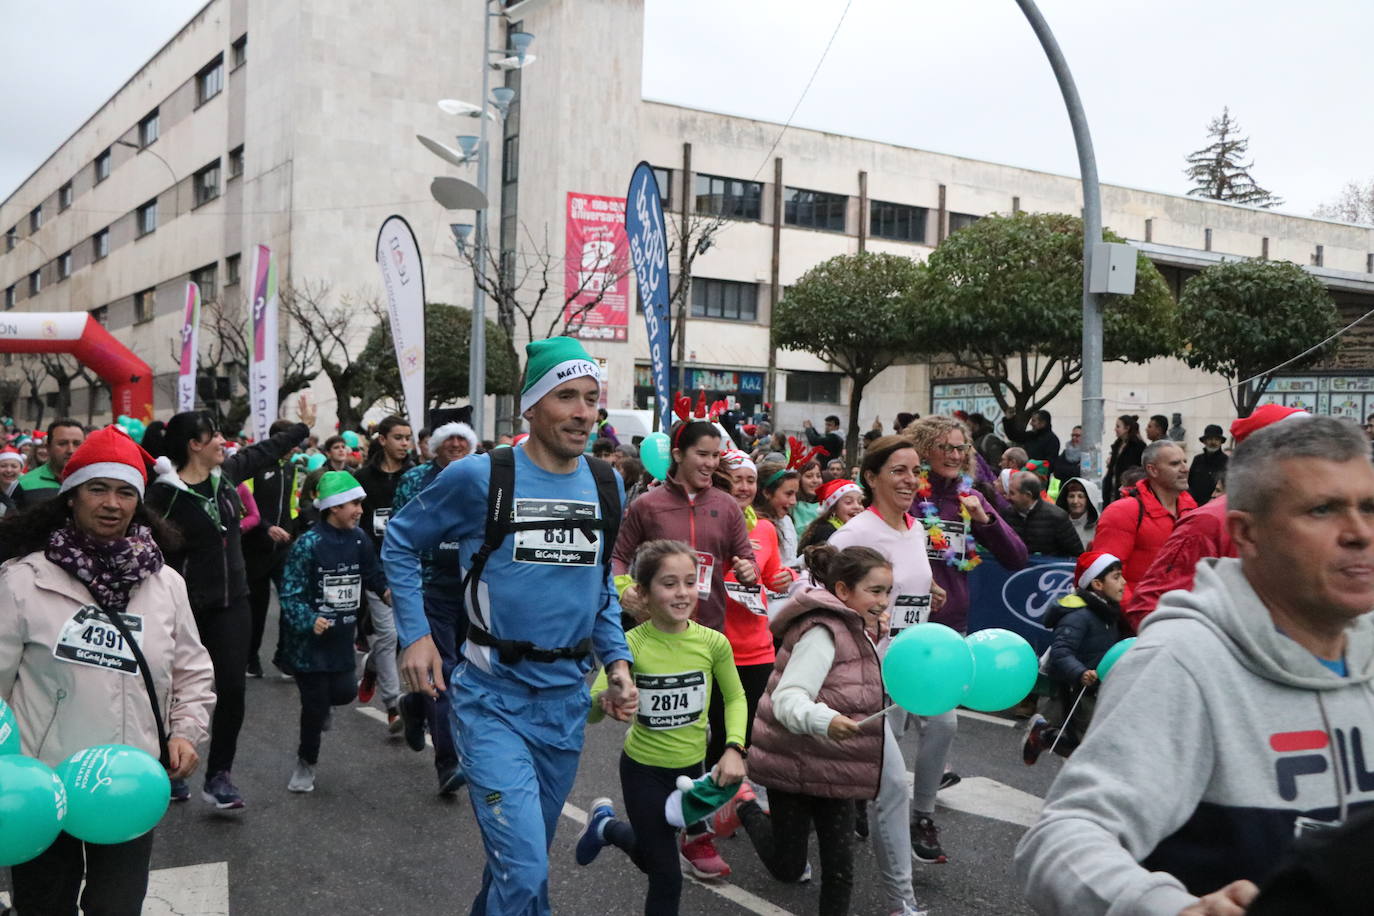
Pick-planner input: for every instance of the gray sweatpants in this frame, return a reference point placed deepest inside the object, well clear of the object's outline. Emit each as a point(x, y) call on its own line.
point(935, 734)
point(891, 814)
point(383, 646)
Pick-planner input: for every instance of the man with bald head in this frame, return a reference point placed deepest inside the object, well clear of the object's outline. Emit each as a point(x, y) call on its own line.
point(1042, 526)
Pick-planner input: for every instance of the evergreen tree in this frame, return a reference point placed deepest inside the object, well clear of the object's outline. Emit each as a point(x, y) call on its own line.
point(1219, 171)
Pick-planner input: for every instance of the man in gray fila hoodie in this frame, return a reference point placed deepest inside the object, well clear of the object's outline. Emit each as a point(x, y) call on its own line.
point(1244, 715)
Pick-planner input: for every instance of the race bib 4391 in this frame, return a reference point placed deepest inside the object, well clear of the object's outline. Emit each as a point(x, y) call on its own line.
point(89, 638)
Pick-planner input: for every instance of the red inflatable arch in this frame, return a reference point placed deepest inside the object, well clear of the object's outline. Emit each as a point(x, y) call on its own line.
point(130, 379)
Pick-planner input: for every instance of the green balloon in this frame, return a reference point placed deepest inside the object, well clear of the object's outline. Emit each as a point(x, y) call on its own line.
point(32, 805)
point(114, 793)
point(314, 462)
point(655, 453)
point(1112, 657)
point(1004, 670)
point(9, 730)
point(928, 669)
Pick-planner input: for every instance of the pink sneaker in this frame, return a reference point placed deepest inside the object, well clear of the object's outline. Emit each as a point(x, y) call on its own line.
point(700, 858)
point(726, 821)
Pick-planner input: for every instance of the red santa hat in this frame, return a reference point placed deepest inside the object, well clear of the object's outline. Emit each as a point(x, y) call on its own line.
point(734, 459)
point(1266, 415)
point(1091, 565)
point(108, 452)
point(832, 491)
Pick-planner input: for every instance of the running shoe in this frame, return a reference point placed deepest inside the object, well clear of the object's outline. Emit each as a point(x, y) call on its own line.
point(592, 838)
point(861, 819)
point(949, 778)
point(700, 858)
point(394, 725)
point(909, 910)
point(925, 842)
point(367, 687)
point(254, 667)
point(412, 709)
point(181, 790)
point(1034, 745)
point(451, 780)
point(726, 820)
point(302, 777)
point(221, 792)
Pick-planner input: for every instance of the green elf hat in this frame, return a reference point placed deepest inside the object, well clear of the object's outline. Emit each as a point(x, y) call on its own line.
point(550, 363)
point(696, 800)
point(337, 488)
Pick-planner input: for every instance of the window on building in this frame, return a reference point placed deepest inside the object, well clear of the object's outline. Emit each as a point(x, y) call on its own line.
point(101, 313)
point(100, 244)
point(143, 306)
point(36, 282)
point(210, 81)
point(11, 238)
point(814, 387)
point(729, 197)
point(147, 217)
point(64, 197)
point(959, 221)
point(207, 279)
point(147, 129)
point(36, 218)
point(207, 183)
point(896, 221)
point(665, 186)
point(231, 270)
point(814, 209)
point(64, 265)
point(724, 299)
point(240, 52)
point(102, 166)
point(236, 161)
point(11, 295)
point(510, 160)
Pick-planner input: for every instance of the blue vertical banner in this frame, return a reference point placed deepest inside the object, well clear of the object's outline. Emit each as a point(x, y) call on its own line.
point(648, 238)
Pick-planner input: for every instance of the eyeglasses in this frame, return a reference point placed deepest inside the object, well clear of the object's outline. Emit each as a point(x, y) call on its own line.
point(950, 449)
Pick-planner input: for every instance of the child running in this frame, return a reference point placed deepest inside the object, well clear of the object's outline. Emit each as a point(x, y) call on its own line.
point(675, 662)
point(322, 587)
point(810, 751)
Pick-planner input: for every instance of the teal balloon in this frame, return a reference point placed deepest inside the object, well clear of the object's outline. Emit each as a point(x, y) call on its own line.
point(1112, 657)
point(351, 438)
point(9, 731)
point(1004, 670)
point(314, 462)
point(928, 669)
point(33, 804)
point(655, 453)
point(114, 793)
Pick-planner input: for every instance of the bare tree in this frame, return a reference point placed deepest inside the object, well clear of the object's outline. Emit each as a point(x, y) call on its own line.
point(1354, 204)
point(693, 235)
point(330, 335)
point(63, 370)
point(34, 373)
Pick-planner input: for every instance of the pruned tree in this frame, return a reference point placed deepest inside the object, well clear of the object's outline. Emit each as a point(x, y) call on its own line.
point(1004, 297)
point(63, 369)
point(1219, 169)
point(1354, 204)
point(1245, 319)
point(33, 373)
point(857, 312)
point(329, 335)
point(448, 345)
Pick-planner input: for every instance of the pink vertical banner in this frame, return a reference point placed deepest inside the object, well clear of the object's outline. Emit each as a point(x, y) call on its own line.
point(596, 283)
point(190, 351)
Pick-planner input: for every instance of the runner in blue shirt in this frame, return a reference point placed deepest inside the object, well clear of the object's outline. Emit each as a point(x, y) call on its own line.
point(545, 611)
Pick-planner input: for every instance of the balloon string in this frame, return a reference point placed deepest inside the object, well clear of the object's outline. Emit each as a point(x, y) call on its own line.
point(877, 715)
point(1067, 719)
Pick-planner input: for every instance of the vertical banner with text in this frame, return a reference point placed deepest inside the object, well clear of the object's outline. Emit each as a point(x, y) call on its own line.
point(649, 251)
point(596, 282)
point(403, 279)
point(262, 370)
point(190, 351)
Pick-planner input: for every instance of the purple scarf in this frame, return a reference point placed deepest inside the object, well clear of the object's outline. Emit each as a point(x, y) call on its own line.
point(110, 569)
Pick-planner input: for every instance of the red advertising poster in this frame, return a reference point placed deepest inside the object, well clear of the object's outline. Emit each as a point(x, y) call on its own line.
point(596, 268)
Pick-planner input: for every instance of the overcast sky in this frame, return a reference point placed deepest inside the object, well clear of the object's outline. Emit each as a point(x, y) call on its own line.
point(955, 76)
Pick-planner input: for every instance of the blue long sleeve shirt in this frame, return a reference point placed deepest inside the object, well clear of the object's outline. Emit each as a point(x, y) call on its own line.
point(549, 588)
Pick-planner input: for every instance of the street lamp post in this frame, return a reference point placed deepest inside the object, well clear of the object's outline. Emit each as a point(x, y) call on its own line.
point(176, 186)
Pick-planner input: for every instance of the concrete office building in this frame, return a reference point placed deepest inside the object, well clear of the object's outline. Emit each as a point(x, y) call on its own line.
point(292, 124)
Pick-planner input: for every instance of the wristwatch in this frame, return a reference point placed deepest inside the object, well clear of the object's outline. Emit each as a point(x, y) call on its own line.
point(743, 751)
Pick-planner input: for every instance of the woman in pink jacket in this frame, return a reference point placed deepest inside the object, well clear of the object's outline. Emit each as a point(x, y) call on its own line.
point(84, 571)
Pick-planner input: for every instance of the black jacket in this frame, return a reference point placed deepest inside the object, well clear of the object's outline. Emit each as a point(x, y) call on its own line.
point(381, 492)
point(830, 442)
point(1123, 457)
point(274, 488)
point(1085, 626)
point(1045, 529)
point(211, 555)
point(1040, 445)
point(1203, 474)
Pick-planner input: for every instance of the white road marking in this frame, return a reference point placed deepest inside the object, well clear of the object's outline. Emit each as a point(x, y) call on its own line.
point(373, 712)
point(199, 889)
point(989, 798)
point(985, 717)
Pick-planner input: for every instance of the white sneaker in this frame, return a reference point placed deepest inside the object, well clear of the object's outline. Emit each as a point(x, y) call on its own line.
point(909, 910)
point(302, 778)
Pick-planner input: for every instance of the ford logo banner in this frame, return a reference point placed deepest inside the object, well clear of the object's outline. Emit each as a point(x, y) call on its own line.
point(1017, 601)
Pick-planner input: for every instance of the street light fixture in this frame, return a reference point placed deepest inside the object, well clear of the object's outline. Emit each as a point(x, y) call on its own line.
point(460, 231)
point(176, 187)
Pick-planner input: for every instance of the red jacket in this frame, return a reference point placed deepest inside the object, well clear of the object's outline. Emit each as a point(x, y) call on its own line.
point(747, 629)
point(712, 525)
point(1201, 534)
point(1135, 527)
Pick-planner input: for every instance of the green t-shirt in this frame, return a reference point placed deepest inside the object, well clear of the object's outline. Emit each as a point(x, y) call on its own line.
point(803, 514)
point(674, 673)
point(40, 478)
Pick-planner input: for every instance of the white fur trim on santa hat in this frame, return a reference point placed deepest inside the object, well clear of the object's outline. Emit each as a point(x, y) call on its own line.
point(448, 431)
point(11, 455)
point(1095, 569)
point(116, 470)
point(838, 495)
point(338, 499)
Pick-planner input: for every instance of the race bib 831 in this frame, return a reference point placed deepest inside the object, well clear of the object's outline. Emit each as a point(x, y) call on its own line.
point(555, 546)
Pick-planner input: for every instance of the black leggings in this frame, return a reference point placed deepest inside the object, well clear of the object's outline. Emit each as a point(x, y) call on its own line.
point(116, 878)
point(782, 838)
point(226, 633)
point(755, 681)
point(649, 840)
point(319, 691)
point(263, 571)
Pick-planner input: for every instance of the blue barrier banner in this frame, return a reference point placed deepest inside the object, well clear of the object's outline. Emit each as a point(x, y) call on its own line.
point(648, 238)
point(1017, 601)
